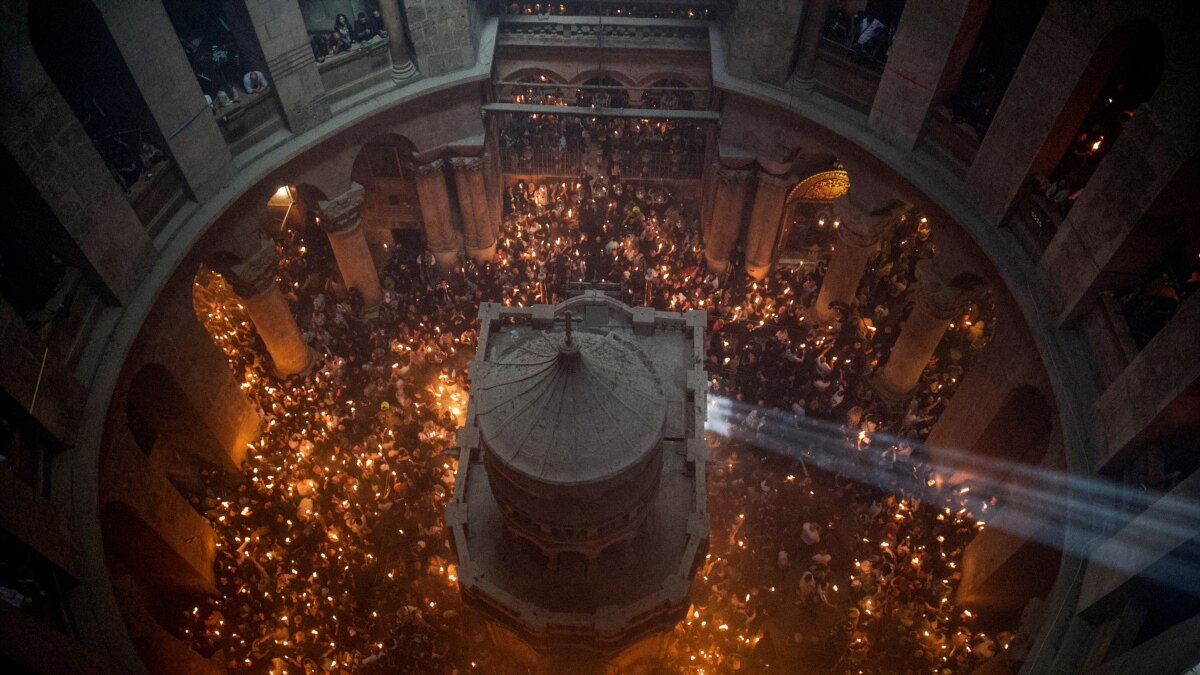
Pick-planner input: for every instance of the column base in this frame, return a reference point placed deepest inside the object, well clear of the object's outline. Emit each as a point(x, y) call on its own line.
point(801, 85)
point(716, 266)
point(403, 72)
point(312, 360)
point(445, 260)
point(758, 272)
point(821, 311)
point(482, 254)
point(892, 397)
point(372, 311)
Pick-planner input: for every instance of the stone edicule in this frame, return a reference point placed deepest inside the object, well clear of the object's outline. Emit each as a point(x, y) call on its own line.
point(589, 441)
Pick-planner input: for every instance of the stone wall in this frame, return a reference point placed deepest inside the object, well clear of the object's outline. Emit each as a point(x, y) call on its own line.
point(442, 34)
point(319, 15)
point(761, 36)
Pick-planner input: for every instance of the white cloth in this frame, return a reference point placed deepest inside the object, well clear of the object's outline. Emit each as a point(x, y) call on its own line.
point(871, 28)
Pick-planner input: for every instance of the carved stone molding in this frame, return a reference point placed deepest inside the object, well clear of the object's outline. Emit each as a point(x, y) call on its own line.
point(468, 164)
point(768, 181)
point(432, 168)
point(859, 229)
point(257, 273)
point(341, 214)
point(936, 296)
point(734, 177)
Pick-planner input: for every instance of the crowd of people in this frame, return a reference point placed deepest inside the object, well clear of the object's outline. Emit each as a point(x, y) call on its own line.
point(608, 146)
point(866, 35)
point(1148, 305)
point(346, 34)
point(332, 553)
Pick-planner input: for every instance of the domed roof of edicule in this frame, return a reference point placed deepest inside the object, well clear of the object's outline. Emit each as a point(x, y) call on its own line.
point(570, 410)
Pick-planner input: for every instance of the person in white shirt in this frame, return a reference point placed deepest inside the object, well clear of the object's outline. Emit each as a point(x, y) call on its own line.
point(254, 82)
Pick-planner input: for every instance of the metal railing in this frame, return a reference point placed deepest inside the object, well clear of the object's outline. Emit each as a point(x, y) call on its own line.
point(586, 31)
point(644, 165)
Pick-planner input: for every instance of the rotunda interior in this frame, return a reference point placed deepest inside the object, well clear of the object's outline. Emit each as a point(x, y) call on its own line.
point(945, 257)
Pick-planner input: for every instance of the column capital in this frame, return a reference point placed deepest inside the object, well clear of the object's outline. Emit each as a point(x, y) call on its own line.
point(734, 177)
point(341, 214)
point(424, 170)
point(769, 181)
point(858, 228)
point(935, 293)
point(469, 164)
point(256, 273)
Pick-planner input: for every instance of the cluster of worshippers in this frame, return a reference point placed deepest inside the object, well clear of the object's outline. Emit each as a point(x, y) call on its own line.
point(332, 555)
point(603, 146)
point(346, 34)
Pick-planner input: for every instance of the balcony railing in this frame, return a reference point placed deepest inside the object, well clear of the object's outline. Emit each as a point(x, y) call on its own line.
point(695, 10)
point(634, 166)
point(596, 32)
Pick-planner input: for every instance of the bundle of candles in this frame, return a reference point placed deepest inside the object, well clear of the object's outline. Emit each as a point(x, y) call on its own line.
point(331, 552)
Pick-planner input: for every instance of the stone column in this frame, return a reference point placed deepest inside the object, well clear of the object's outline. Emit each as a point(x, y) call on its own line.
point(765, 219)
point(495, 185)
point(291, 69)
point(254, 282)
point(402, 65)
point(726, 222)
point(931, 47)
point(803, 77)
point(479, 231)
point(858, 237)
point(441, 237)
point(937, 305)
point(342, 223)
point(761, 38)
point(150, 47)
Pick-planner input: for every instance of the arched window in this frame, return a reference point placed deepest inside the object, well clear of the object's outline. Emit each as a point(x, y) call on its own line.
point(81, 58)
point(669, 94)
point(603, 92)
point(384, 168)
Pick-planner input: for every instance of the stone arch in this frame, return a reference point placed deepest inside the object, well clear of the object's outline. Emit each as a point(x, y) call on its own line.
point(618, 93)
point(543, 86)
point(622, 78)
point(164, 421)
point(665, 92)
point(534, 74)
point(1013, 561)
point(134, 543)
point(654, 78)
point(153, 406)
point(391, 207)
point(1020, 430)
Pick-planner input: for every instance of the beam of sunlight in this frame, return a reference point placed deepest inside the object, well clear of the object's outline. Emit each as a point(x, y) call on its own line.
point(1027, 500)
